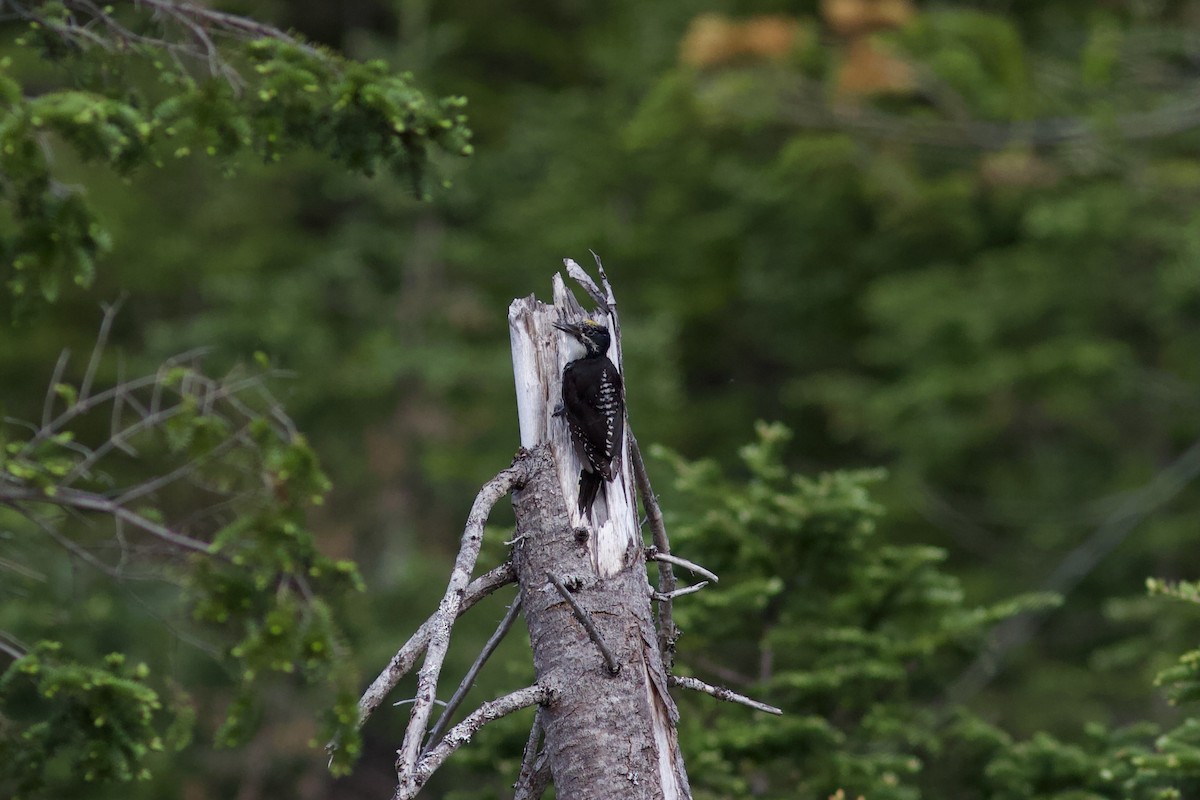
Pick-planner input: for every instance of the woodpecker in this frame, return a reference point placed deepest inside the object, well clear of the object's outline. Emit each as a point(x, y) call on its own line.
point(593, 403)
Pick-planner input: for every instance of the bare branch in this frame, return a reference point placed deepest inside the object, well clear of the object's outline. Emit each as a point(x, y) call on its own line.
point(214, 391)
point(654, 555)
point(666, 598)
point(529, 758)
point(64, 542)
point(697, 685)
point(12, 646)
point(87, 501)
point(151, 486)
point(667, 632)
point(122, 545)
point(145, 423)
point(407, 655)
point(229, 22)
point(110, 313)
point(118, 407)
point(443, 620)
point(654, 515)
point(51, 390)
point(538, 780)
point(83, 406)
point(22, 570)
point(412, 779)
point(469, 679)
point(187, 31)
point(614, 666)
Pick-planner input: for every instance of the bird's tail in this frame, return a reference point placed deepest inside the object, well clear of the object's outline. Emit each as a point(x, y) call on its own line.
point(589, 487)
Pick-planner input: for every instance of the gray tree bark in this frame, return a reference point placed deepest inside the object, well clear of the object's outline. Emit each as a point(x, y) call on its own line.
point(607, 735)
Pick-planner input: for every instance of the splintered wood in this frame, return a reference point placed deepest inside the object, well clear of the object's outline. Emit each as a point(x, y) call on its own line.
point(538, 362)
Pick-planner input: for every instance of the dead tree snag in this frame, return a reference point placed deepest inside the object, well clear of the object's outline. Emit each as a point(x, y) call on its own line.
point(605, 726)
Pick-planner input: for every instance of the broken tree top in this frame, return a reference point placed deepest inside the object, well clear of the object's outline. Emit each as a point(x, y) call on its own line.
point(539, 356)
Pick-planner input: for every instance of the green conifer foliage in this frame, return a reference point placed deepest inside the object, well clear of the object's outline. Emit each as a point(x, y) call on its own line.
point(137, 85)
point(855, 638)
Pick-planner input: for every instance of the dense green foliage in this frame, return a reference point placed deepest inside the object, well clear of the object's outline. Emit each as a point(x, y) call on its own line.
point(861, 641)
point(96, 723)
point(212, 468)
point(853, 636)
point(977, 266)
point(269, 94)
point(214, 472)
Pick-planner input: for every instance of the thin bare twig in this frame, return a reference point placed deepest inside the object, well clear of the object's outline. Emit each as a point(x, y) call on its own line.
point(529, 757)
point(614, 666)
point(83, 406)
point(151, 486)
point(87, 501)
point(114, 423)
point(537, 782)
point(697, 685)
point(12, 646)
point(653, 554)
point(52, 389)
point(193, 22)
point(408, 701)
point(667, 632)
point(469, 679)
point(666, 598)
point(214, 391)
point(145, 423)
point(122, 545)
point(412, 779)
point(407, 655)
point(110, 313)
point(22, 570)
point(64, 542)
point(443, 620)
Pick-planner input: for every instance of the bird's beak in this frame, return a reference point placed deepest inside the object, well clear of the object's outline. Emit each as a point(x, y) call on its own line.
point(574, 330)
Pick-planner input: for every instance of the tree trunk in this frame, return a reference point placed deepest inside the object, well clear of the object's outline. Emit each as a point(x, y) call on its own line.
point(608, 735)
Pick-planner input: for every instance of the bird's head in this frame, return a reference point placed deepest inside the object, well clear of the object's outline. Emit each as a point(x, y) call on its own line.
point(591, 334)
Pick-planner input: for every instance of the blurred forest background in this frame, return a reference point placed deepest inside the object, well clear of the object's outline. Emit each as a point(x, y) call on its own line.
point(958, 241)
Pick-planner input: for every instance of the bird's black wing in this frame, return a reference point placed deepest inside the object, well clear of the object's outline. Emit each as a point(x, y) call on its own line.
point(594, 404)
